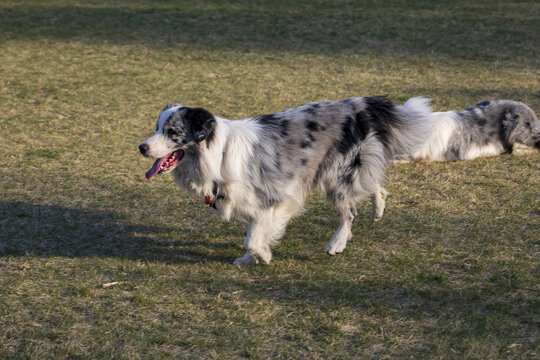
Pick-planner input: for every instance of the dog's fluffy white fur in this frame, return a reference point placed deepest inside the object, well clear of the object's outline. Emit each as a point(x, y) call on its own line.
point(260, 169)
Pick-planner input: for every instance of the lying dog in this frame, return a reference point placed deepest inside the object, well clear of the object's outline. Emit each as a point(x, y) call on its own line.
point(260, 169)
point(491, 127)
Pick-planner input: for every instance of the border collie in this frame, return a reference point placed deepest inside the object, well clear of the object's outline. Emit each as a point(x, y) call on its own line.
point(491, 127)
point(260, 169)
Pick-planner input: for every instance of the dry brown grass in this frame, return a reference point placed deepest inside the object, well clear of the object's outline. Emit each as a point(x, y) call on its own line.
point(450, 272)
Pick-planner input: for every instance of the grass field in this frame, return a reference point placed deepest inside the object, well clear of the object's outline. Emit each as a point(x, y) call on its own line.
point(452, 270)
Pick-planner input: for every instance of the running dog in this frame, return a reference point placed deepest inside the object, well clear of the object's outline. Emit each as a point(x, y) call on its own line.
point(260, 169)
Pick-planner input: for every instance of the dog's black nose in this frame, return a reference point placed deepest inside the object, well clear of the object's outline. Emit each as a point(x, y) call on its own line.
point(143, 148)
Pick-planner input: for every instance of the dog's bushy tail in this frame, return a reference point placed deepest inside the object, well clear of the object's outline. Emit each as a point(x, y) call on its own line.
point(414, 127)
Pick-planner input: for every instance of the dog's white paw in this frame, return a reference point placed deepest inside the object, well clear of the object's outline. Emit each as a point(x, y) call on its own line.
point(377, 214)
point(247, 259)
point(335, 247)
point(523, 151)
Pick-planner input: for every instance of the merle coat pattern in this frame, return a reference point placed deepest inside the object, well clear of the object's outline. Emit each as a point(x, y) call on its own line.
point(260, 169)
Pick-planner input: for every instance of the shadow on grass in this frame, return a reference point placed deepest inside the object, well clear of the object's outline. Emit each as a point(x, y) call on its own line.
point(423, 305)
point(52, 230)
point(464, 316)
point(462, 29)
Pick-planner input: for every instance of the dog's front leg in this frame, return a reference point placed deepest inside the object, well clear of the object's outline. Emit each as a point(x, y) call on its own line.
point(256, 242)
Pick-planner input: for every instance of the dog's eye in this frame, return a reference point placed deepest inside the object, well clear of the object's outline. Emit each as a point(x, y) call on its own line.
point(171, 132)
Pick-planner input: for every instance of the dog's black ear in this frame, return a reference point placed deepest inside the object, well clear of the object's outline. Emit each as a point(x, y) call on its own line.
point(509, 123)
point(201, 123)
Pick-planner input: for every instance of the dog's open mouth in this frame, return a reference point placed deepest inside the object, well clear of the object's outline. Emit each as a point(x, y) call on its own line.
point(166, 163)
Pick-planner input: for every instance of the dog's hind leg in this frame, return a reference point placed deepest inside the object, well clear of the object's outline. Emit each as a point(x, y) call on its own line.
point(348, 214)
point(378, 203)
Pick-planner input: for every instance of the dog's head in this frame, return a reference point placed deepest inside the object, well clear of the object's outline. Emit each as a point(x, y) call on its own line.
point(178, 127)
point(520, 125)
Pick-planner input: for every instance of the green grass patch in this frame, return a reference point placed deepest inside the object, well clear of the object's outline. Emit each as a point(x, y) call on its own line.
point(451, 271)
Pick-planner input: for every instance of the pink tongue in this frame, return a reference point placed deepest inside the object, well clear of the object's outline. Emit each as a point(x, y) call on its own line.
point(155, 168)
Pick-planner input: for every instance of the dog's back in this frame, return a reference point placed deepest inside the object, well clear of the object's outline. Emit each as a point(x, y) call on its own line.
point(331, 142)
